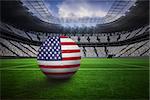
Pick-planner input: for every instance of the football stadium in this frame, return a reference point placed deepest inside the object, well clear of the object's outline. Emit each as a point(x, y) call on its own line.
point(113, 55)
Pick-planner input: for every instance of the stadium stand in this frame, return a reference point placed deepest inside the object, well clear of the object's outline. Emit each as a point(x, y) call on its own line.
point(82, 52)
point(115, 50)
point(131, 50)
point(33, 36)
point(133, 33)
point(93, 39)
point(75, 38)
point(12, 48)
point(4, 51)
point(143, 30)
point(83, 38)
point(100, 51)
point(90, 52)
point(113, 38)
point(14, 30)
point(103, 38)
point(123, 36)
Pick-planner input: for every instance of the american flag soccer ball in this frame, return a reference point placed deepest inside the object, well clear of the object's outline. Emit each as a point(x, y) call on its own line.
point(59, 57)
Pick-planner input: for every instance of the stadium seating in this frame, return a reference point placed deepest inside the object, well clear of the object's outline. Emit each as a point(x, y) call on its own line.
point(33, 36)
point(115, 50)
point(133, 33)
point(90, 52)
point(143, 30)
point(142, 49)
point(83, 38)
point(101, 52)
point(82, 52)
point(75, 38)
point(4, 27)
point(13, 48)
point(124, 36)
point(103, 39)
point(93, 39)
point(5, 52)
point(17, 31)
point(113, 38)
point(137, 49)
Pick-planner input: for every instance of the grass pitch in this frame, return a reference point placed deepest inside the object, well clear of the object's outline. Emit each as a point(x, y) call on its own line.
point(97, 79)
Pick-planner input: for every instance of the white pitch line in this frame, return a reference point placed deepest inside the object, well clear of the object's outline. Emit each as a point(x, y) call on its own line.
point(128, 64)
point(125, 64)
point(113, 69)
point(16, 66)
point(82, 69)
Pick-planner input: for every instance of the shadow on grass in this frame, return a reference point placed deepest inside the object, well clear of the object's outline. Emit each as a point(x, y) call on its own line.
point(48, 83)
point(54, 81)
point(38, 88)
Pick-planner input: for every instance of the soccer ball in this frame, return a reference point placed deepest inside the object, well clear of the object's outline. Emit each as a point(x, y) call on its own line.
point(59, 57)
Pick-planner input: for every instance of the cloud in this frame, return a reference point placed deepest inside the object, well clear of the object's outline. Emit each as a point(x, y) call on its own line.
point(79, 9)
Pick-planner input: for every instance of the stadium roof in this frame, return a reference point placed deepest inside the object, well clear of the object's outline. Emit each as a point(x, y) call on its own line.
point(78, 12)
point(14, 13)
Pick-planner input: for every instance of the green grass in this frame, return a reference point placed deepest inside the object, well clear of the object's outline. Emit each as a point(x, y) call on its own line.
point(106, 79)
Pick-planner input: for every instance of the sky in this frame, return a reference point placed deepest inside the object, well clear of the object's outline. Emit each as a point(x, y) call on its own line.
point(78, 8)
point(77, 12)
